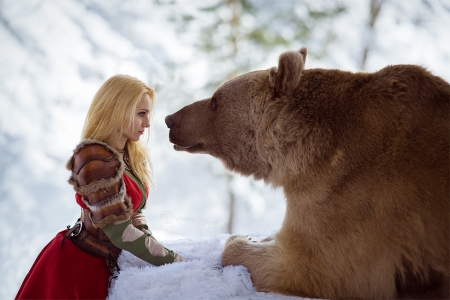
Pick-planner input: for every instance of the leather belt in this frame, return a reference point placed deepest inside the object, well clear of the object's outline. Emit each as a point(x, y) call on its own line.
point(93, 246)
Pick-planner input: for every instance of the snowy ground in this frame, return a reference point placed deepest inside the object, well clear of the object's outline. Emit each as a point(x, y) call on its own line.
point(200, 277)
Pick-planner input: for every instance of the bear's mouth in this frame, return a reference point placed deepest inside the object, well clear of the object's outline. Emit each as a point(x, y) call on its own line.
point(190, 148)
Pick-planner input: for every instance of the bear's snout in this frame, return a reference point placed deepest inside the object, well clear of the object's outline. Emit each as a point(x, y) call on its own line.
point(169, 121)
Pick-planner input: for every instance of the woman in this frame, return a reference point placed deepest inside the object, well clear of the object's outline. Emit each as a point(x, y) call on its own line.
point(111, 180)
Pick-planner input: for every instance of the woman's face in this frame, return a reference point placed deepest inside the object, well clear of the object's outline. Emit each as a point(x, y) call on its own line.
point(141, 120)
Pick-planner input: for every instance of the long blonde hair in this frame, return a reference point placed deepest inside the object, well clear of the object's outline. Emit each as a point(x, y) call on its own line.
point(112, 109)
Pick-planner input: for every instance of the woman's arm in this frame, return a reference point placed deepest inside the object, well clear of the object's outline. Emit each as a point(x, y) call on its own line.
point(97, 175)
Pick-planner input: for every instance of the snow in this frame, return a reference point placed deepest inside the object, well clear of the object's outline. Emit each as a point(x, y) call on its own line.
point(200, 277)
point(54, 55)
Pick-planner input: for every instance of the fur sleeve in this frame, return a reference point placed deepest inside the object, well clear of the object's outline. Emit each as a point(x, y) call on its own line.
point(97, 175)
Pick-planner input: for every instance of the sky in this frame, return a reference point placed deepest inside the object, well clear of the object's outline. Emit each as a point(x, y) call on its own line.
point(56, 54)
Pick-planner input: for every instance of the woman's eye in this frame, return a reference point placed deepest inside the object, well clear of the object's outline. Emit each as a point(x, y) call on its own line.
point(142, 114)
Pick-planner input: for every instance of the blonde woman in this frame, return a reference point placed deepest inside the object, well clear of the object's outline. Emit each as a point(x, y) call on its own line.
point(110, 175)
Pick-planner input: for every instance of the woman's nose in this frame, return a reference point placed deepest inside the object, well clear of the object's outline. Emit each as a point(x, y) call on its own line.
point(146, 123)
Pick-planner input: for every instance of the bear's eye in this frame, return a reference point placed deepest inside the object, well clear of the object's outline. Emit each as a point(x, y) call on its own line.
point(213, 103)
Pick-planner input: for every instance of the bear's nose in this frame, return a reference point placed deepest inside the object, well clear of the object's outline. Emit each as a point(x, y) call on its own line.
point(169, 121)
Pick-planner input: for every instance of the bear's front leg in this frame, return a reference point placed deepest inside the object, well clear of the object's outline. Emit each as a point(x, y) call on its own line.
point(267, 264)
point(301, 267)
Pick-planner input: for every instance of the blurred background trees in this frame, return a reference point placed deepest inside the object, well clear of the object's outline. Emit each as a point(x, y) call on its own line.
point(236, 36)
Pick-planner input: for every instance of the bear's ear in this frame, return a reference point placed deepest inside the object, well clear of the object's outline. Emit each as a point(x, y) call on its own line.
point(286, 77)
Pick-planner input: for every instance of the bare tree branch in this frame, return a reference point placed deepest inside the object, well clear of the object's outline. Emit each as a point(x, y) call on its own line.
point(375, 8)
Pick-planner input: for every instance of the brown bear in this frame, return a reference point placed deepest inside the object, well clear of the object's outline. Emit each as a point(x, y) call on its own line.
point(363, 159)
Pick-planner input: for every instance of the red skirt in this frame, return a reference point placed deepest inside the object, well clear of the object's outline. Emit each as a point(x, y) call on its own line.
point(66, 273)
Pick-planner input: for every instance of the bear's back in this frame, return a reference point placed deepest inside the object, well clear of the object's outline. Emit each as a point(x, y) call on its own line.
point(401, 108)
point(391, 126)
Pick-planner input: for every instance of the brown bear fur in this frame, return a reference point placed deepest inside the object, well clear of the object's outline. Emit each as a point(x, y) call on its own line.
point(363, 159)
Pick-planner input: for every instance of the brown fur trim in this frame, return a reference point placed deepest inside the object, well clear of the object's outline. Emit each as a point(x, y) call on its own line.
point(112, 217)
point(108, 201)
point(83, 143)
point(69, 164)
point(89, 142)
point(97, 185)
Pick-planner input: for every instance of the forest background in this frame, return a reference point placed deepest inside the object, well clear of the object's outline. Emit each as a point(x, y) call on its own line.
point(54, 55)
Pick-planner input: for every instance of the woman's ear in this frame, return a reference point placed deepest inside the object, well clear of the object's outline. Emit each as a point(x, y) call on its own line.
point(286, 77)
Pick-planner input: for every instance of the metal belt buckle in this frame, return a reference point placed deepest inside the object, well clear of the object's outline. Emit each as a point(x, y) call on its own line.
point(77, 232)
